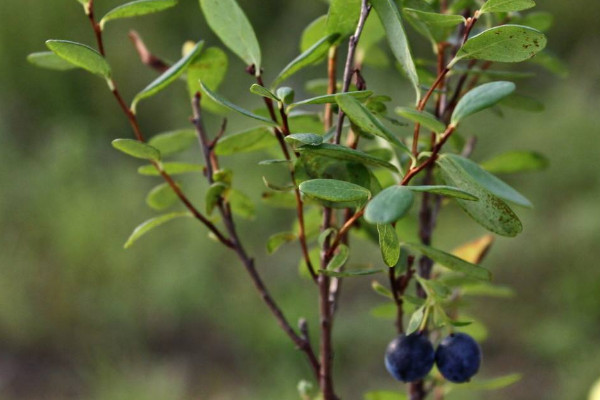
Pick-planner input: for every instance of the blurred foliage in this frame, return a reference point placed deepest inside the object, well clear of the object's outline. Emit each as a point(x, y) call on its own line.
point(175, 317)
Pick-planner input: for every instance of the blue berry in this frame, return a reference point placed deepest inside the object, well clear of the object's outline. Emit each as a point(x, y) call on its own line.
point(458, 357)
point(409, 358)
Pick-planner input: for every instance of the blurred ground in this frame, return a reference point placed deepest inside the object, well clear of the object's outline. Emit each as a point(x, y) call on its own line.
point(174, 318)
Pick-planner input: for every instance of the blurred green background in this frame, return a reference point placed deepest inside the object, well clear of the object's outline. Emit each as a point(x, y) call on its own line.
point(175, 317)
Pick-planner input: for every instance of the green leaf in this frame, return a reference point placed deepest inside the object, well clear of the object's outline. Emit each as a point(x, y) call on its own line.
point(434, 26)
point(168, 77)
point(491, 6)
point(279, 239)
point(210, 68)
point(382, 290)
point(516, 161)
point(451, 262)
point(389, 205)
point(226, 103)
point(137, 8)
point(334, 193)
point(213, 194)
point(309, 57)
point(365, 120)
point(385, 395)
point(448, 191)
point(313, 33)
point(228, 21)
point(490, 384)
point(304, 139)
point(415, 320)
point(344, 153)
point(161, 197)
point(490, 211)
point(343, 17)
point(263, 92)
point(245, 142)
point(331, 98)
point(171, 168)
point(351, 273)
point(489, 181)
point(480, 98)
point(276, 187)
point(241, 204)
point(392, 22)
point(49, 60)
point(424, 118)
point(147, 226)
point(372, 34)
point(286, 94)
point(174, 142)
point(389, 244)
point(339, 259)
point(487, 290)
point(136, 149)
point(81, 56)
point(506, 43)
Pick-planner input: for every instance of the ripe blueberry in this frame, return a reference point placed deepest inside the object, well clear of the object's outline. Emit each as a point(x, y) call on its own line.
point(409, 358)
point(458, 357)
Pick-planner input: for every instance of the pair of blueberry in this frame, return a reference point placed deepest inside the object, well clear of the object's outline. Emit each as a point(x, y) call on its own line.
point(410, 358)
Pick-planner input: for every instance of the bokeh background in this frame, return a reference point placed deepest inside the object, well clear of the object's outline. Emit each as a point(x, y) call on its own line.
point(175, 317)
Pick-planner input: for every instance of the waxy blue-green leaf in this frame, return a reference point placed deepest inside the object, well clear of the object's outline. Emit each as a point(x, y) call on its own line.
point(392, 22)
point(344, 153)
point(489, 181)
point(168, 77)
point(339, 258)
point(343, 16)
point(434, 26)
point(279, 239)
point(210, 67)
point(314, 32)
point(334, 193)
point(451, 262)
point(505, 43)
point(49, 60)
point(263, 92)
point(81, 56)
point(304, 139)
point(248, 141)
point(415, 321)
point(331, 98)
point(174, 142)
point(136, 149)
point(147, 226)
point(171, 168)
point(226, 103)
point(161, 197)
point(389, 205)
point(360, 115)
point(480, 98)
point(137, 8)
point(490, 211)
point(491, 6)
point(427, 120)
point(309, 57)
point(228, 21)
point(448, 191)
point(389, 244)
point(516, 161)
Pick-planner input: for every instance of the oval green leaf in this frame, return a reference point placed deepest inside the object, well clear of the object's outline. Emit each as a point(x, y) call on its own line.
point(169, 76)
point(389, 244)
point(161, 197)
point(171, 168)
point(448, 191)
point(451, 262)
point(136, 149)
point(360, 115)
point(392, 22)
point(339, 259)
point(389, 205)
point(343, 16)
point(210, 68)
point(331, 98)
point(174, 142)
point(147, 226)
point(263, 92)
point(334, 193)
point(309, 57)
point(506, 5)
point(304, 139)
point(228, 21)
point(424, 118)
point(344, 153)
point(81, 56)
point(480, 98)
point(245, 142)
point(316, 30)
point(137, 8)
point(279, 239)
point(506, 43)
point(49, 60)
point(434, 26)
